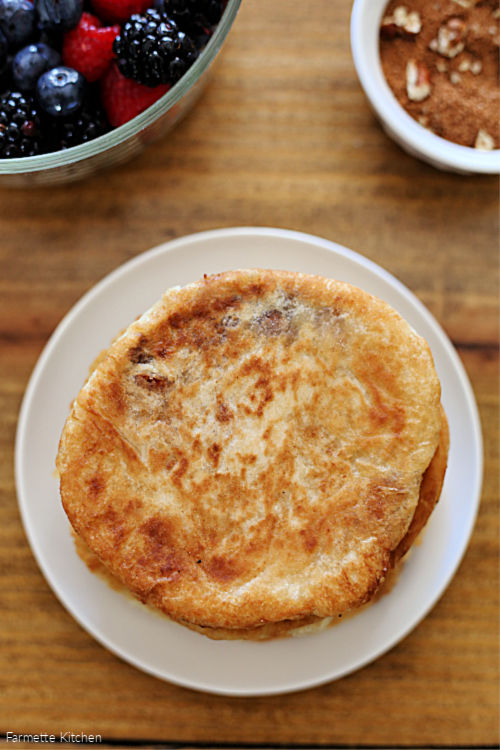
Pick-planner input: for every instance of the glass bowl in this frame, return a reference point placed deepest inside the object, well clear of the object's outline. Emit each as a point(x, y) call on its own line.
point(124, 142)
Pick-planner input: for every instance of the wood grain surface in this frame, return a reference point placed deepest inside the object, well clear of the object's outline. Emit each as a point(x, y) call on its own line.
point(282, 137)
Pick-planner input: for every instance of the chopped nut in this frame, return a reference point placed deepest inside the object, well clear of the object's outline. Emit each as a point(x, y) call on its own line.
point(400, 15)
point(464, 65)
point(442, 66)
point(496, 13)
point(413, 23)
point(418, 82)
point(449, 42)
point(476, 67)
point(455, 77)
point(423, 120)
point(466, 3)
point(492, 30)
point(409, 21)
point(401, 23)
point(484, 141)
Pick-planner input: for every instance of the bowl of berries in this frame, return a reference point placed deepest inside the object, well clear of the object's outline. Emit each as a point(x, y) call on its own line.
point(86, 84)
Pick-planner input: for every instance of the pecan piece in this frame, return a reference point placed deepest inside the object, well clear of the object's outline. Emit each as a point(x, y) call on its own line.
point(466, 3)
point(401, 23)
point(484, 141)
point(450, 38)
point(418, 81)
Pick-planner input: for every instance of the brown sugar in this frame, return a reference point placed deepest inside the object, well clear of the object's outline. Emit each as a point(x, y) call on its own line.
point(441, 60)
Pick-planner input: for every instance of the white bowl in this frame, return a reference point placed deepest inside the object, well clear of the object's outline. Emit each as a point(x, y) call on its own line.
point(365, 24)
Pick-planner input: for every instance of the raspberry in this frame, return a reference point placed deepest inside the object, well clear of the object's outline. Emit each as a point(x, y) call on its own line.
point(89, 47)
point(123, 98)
point(117, 11)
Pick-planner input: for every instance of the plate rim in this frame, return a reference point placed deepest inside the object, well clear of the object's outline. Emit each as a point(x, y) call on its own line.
point(166, 248)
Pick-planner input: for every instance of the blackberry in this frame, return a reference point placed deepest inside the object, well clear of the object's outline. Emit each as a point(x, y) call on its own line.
point(20, 133)
point(152, 50)
point(89, 123)
point(197, 18)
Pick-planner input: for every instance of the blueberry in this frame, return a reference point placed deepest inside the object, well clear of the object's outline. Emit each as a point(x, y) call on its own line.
point(58, 15)
point(17, 21)
point(61, 91)
point(30, 62)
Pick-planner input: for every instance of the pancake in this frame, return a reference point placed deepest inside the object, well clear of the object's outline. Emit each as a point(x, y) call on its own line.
point(252, 450)
point(430, 490)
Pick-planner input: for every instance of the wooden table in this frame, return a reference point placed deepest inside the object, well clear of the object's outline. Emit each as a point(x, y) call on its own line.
point(283, 137)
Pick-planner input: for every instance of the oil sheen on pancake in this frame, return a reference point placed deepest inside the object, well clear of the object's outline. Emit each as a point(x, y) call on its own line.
point(251, 450)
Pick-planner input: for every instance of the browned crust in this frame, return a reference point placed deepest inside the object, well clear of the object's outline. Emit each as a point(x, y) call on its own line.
point(430, 491)
point(251, 449)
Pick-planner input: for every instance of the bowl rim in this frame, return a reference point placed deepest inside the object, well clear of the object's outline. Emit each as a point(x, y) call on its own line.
point(116, 136)
point(400, 124)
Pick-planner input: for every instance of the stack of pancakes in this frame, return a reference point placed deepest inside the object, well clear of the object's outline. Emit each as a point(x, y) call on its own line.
point(256, 452)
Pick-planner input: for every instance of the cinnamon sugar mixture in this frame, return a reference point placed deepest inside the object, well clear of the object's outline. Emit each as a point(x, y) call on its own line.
point(441, 60)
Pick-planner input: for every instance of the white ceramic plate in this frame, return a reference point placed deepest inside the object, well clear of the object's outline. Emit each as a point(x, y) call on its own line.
point(149, 641)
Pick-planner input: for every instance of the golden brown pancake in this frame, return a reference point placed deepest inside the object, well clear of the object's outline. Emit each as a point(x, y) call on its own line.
point(253, 450)
point(430, 490)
